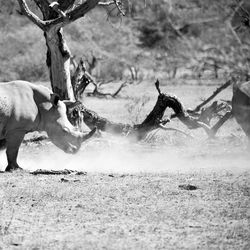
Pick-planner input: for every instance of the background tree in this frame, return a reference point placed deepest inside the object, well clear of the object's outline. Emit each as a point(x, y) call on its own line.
point(197, 39)
point(55, 16)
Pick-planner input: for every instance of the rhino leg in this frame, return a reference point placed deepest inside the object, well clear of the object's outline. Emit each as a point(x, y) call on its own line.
point(2, 144)
point(13, 141)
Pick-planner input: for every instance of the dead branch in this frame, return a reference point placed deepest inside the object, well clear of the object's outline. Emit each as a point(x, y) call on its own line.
point(82, 78)
point(56, 8)
point(28, 13)
point(153, 121)
point(97, 93)
point(124, 84)
point(66, 11)
point(206, 114)
point(65, 5)
point(216, 92)
point(118, 4)
point(73, 14)
point(106, 3)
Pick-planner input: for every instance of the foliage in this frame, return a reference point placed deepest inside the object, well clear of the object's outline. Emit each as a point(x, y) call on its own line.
point(156, 36)
point(22, 52)
point(155, 29)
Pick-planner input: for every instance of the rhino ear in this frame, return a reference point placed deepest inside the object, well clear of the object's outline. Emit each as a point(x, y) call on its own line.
point(54, 98)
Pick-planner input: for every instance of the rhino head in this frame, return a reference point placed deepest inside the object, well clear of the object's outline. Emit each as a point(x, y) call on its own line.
point(60, 131)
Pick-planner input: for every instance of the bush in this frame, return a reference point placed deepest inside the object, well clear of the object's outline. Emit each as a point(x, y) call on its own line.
point(22, 53)
point(29, 68)
point(111, 70)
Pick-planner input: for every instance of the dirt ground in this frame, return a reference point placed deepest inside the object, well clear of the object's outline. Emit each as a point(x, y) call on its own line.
point(167, 192)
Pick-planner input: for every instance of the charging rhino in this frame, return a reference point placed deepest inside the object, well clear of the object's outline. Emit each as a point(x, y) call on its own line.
point(241, 105)
point(25, 107)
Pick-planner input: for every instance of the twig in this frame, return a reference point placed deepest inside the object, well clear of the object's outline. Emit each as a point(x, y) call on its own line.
point(82, 78)
point(97, 93)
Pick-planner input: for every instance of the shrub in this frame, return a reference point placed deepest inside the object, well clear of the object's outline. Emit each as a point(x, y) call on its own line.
point(22, 53)
point(111, 70)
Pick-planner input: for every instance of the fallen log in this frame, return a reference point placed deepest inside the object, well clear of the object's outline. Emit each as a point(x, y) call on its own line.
point(154, 119)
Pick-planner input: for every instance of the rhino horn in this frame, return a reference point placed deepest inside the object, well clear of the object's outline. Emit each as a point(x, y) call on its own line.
point(87, 136)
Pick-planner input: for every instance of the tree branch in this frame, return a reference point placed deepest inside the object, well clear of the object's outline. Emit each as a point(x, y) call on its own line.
point(118, 4)
point(28, 13)
point(106, 3)
point(216, 92)
point(65, 5)
point(80, 11)
point(97, 93)
point(73, 14)
point(43, 5)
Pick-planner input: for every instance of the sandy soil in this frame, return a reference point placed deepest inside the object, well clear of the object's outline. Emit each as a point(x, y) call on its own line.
point(132, 196)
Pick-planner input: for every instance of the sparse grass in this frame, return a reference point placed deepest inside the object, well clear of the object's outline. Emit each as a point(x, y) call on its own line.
point(4, 227)
point(130, 197)
point(132, 211)
point(135, 108)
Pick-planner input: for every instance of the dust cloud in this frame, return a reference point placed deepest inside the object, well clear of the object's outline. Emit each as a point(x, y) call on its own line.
point(116, 155)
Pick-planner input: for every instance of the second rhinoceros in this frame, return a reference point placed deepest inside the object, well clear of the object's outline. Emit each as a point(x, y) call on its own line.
point(26, 107)
point(241, 105)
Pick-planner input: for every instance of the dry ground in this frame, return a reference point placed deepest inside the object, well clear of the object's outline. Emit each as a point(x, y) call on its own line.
point(131, 196)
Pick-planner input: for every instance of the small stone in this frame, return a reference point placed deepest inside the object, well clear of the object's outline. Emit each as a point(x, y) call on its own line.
point(187, 187)
point(64, 180)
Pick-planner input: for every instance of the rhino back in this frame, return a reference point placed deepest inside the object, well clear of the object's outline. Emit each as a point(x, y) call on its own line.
point(18, 109)
point(243, 87)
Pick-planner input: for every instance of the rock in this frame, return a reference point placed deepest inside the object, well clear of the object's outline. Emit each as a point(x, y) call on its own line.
point(187, 187)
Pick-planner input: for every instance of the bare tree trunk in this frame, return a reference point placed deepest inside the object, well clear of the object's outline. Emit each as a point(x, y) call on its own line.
point(55, 16)
point(58, 62)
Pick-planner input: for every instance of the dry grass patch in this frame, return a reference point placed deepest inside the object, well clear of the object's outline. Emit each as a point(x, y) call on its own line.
point(125, 211)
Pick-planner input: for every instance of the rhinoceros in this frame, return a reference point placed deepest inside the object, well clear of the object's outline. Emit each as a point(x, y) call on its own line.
point(241, 105)
point(26, 107)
